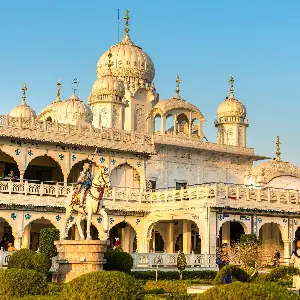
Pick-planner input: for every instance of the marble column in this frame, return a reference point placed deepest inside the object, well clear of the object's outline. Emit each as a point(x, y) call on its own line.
point(187, 236)
point(170, 238)
point(26, 237)
point(226, 233)
point(286, 252)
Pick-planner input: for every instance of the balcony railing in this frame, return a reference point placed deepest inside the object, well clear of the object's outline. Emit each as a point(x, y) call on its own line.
point(210, 194)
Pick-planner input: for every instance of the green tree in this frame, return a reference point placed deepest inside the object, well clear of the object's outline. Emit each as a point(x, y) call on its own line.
point(181, 263)
point(47, 238)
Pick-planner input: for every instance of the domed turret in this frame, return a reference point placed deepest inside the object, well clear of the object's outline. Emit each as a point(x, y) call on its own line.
point(231, 120)
point(74, 111)
point(107, 100)
point(187, 117)
point(107, 87)
point(23, 110)
point(129, 61)
point(49, 113)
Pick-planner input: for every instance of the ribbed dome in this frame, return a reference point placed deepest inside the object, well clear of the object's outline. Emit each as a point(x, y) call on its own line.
point(128, 61)
point(107, 87)
point(51, 110)
point(231, 107)
point(22, 111)
point(74, 111)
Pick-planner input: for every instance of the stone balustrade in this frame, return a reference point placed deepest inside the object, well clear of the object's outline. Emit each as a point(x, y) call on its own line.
point(129, 199)
point(87, 135)
point(145, 260)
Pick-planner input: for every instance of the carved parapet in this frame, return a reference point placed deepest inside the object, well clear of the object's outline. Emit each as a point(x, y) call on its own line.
point(198, 144)
point(106, 138)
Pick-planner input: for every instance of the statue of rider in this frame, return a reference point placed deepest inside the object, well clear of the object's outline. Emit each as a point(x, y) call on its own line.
point(84, 182)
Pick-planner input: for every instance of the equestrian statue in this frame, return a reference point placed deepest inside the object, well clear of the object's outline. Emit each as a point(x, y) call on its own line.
point(86, 199)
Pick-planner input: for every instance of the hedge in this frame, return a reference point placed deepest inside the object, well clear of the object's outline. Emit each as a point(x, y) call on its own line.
point(284, 273)
point(235, 271)
point(253, 291)
point(117, 260)
point(165, 275)
point(102, 285)
point(46, 243)
point(28, 259)
point(21, 282)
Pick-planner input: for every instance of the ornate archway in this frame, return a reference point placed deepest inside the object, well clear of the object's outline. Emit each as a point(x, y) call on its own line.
point(126, 235)
point(230, 232)
point(125, 176)
point(8, 165)
point(44, 169)
point(77, 168)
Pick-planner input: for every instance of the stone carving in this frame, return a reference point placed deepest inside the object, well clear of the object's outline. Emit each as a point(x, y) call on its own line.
point(140, 118)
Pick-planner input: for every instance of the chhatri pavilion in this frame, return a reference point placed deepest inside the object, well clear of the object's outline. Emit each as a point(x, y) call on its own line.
point(172, 189)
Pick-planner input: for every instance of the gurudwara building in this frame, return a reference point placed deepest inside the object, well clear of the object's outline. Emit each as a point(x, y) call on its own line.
point(172, 189)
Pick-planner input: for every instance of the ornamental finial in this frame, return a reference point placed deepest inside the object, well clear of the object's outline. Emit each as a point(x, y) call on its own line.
point(177, 90)
point(24, 89)
point(75, 84)
point(58, 90)
point(278, 153)
point(126, 22)
point(231, 89)
point(109, 59)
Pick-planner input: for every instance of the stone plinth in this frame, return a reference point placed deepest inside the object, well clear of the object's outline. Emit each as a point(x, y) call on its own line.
point(79, 257)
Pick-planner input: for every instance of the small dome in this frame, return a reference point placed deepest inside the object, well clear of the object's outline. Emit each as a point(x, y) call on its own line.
point(74, 111)
point(164, 106)
point(22, 111)
point(231, 107)
point(106, 87)
point(128, 61)
point(51, 110)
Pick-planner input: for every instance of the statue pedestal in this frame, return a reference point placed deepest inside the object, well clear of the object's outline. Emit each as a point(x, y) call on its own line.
point(79, 257)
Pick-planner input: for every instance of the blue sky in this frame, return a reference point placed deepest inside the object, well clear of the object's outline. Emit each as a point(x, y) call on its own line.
point(204, 42)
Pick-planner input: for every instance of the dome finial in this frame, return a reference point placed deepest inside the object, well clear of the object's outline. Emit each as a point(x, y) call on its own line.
point(75, 84)
point(109, 65)
point(231, 89)
point(58, 90)
point(177, 90)
point(278, 153)
point(126, 22)
point(24, 89)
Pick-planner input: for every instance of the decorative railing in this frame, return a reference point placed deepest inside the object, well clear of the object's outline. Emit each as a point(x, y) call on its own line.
point(130, 199)
point(170, 260)
point(83, 135)
point(4, 257)
point(192, 142)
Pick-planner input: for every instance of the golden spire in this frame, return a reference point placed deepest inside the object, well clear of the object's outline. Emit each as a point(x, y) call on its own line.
point(231, 88)
point(126, 22)
point(177, 90)
point(58, 90)
point(278, 153)
point(24, 89)
point(109, 60)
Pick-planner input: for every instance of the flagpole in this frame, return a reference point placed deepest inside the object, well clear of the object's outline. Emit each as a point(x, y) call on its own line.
point(118, 25)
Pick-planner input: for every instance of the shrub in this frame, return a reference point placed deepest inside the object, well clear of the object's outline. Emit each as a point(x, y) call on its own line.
point(235, 271)
point(47, 238)
point(163, 275)
point(181, 263)
point(284, 273)
point(118, 261)
point(28, 259)
point(238, 290)
point(103, 285)
point(21, 259)
point(41, 262)
point(21, 282)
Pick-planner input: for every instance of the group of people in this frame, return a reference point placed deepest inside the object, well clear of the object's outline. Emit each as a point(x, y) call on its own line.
point(6, 244)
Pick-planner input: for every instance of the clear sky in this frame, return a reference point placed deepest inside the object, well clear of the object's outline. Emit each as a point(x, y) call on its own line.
point(204, 42)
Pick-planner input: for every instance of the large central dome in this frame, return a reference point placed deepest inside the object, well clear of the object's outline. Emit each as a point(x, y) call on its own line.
point(129, 61)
